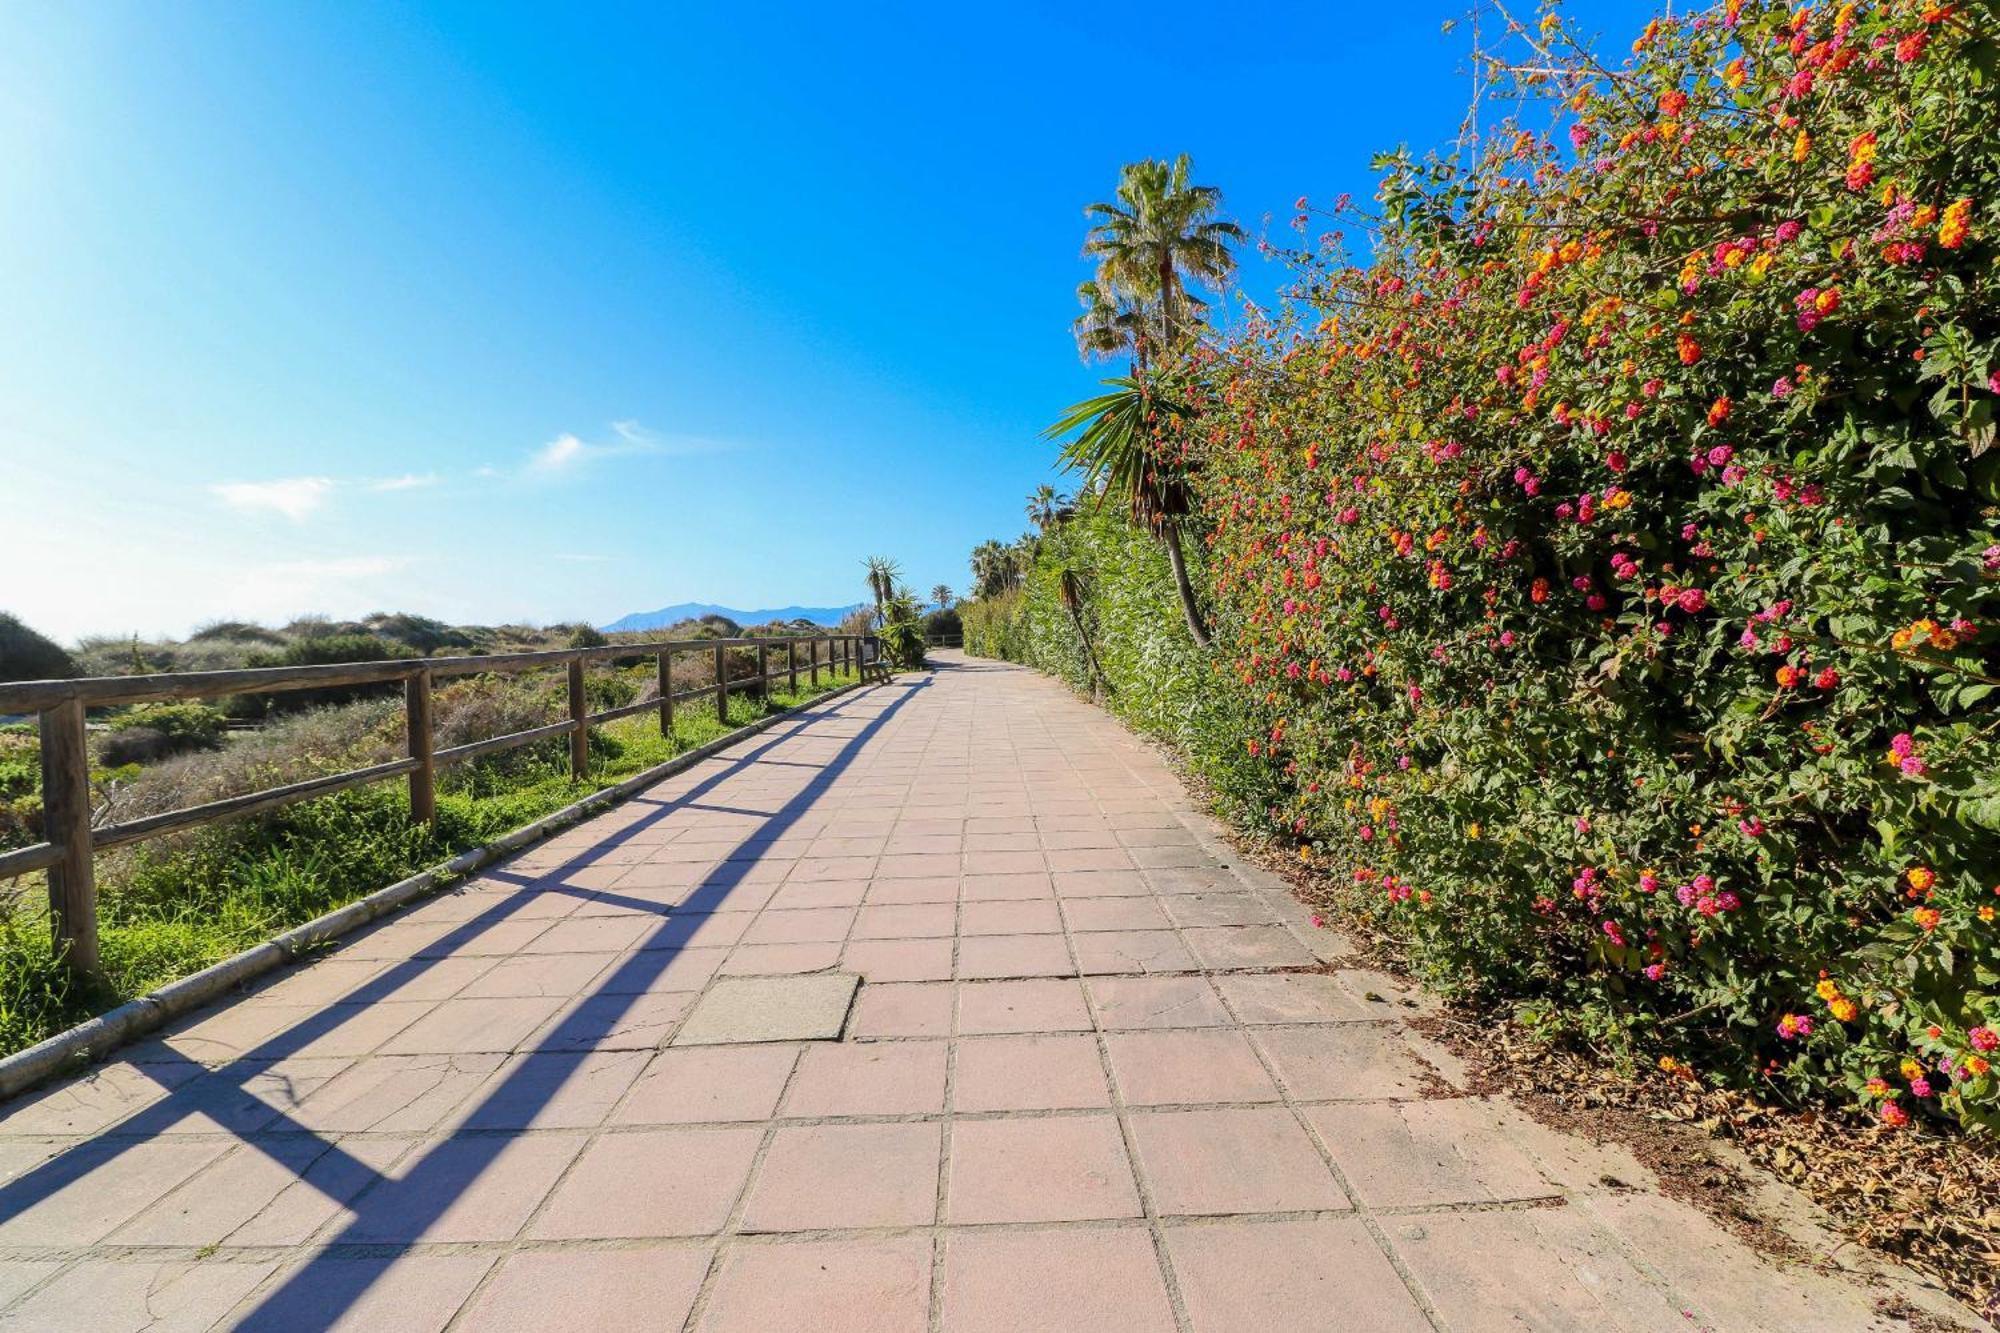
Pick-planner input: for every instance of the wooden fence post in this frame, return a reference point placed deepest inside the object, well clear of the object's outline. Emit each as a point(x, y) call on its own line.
point(812, 647)
point(579, 725)
point(764, 673)
point(66, 822)
point(792, 664)
point(423, 778)
point(667, 693)
point(721, 686)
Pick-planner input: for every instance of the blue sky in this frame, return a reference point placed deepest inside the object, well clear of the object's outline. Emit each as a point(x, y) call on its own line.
point(500, 312)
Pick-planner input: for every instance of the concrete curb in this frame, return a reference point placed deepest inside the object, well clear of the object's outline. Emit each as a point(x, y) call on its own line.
point(97, 1037)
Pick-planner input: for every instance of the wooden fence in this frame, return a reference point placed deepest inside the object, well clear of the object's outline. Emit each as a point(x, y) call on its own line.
point(66, 801)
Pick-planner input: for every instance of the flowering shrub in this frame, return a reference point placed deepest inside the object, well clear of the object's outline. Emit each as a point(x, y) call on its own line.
point(1609, 561)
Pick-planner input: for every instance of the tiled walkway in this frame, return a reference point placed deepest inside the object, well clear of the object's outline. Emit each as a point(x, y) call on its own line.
point(1096, 1078)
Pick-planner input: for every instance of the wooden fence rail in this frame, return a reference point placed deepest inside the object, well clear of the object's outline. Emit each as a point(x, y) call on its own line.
point(61, 705)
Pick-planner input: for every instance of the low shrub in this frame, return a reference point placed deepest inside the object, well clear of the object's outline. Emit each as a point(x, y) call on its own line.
point(320, 650)
point(26, 655)
point(149, 733)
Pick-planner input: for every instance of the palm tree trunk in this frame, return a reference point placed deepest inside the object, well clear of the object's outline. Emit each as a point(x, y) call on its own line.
point(1170, 533)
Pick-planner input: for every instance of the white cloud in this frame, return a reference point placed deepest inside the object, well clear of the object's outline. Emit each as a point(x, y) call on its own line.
point(565, 451)
point(294, 497)
point(409, 481)
point(569, 452)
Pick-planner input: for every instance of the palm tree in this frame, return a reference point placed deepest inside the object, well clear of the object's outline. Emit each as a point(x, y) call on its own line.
point(941, 595)
point(992, 568)
point(1159, 235)
point(883, 574)
point(1112, 323)
point(1048, 507)
point(1114, 446)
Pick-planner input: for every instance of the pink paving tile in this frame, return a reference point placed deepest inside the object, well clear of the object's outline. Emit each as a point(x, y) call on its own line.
point(906, 921)
point(826, 1176)
point(164, 1295)
point(1039, 1169)
point(1458, 1150)
point(1231, 1161)
point(1173, 1068)
point(1029, 1073)
point(827, 1286)
point(596, 934)
point(931, 889)
point(1091, 858)
point(692, 1084)
point(1004, 863)
point(773, 960)
point(1290, 997)
point(605, 1291)
point(661, 970)
point(1109, 952)
point(480, 1187)
point(655, 1182)
point(276, 1191)
point(802, 926)
point(1247, 946)
point(898, 960)
point(1533, 1268)
point(809, 894)
point(1101, 835)
point(1031, 917)
point(1005, 888)
point(552, 1091)
point(902, 1009)
point(1129, 913)
point(1023, 841)
point(1255, 1277)
point(394, 1093)
point(872, 1078)
point(696, 930)
point(994, 956)
point(925, 844)
point(1021, 1006)
point(1125, 1003)
point(95, 1186)
point(614, 1023)
point(1351, 1061)
point(466, 1026)
point(411, 1293)
point(534, 975)
point(1066, 1281)
point(1101, 884)
point(1217, 909)
point(822, 869)
point(895, 865)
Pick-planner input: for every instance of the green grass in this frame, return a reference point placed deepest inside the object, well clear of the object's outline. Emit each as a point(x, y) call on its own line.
point(167, 911)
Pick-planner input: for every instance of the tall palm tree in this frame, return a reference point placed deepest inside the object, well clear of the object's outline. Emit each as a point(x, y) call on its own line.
point(1115, 450)
point(992, 568)
point(1159, 235)
point(942, 596)
point(883, 574)
point(1048, 507)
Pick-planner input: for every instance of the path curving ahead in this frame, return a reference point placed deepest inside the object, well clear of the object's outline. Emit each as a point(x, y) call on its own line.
point(1096, 1076)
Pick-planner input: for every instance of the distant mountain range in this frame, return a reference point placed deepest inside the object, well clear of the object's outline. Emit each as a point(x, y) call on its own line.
point(674, 615)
